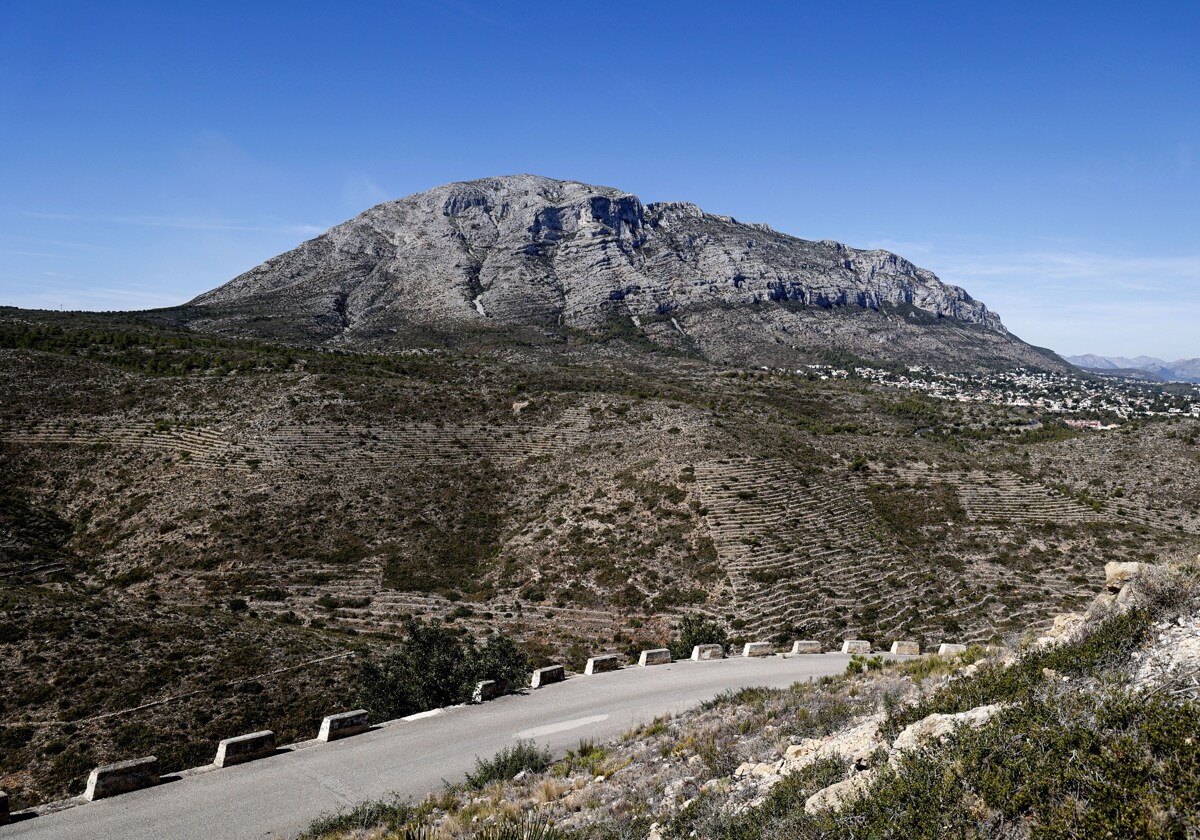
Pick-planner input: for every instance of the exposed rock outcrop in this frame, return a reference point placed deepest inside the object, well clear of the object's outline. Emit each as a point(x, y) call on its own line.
point(857, 743)
point(1066, 626)
point(1171, 664)
point(937, 726)
point(1118, 575)
point(841, 794)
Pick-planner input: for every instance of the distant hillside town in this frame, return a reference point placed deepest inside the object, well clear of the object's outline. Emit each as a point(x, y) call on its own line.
point(1093, 399)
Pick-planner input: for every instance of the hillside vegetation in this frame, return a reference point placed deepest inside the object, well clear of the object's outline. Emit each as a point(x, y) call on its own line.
point(182, 515)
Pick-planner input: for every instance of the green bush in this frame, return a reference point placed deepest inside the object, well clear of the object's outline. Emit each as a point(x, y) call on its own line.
point(1067, 762)
point(403, 822)
point(697, 630)
point(1079, 758)
point(390, 814)
point(779, 816)
point(524, 755)
point(434, 667)
point(1105, 646)
point(1060, 765)
point(861, 663)
point(588, 757)
point(501, 659)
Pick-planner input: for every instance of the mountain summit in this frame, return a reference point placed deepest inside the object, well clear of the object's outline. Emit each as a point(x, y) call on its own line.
point(560, 258)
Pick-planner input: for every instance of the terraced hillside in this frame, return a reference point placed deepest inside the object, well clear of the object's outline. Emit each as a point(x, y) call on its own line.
point(1149, 475)
point(800, 549)
point(932, 551)
point(299, 504)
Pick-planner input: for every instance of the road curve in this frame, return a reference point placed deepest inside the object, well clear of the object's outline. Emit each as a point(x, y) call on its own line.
point(278, 797)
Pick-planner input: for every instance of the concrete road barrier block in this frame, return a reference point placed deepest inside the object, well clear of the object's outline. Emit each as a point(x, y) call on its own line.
point(3, 808)
point(856, 646)
point(604, 662)
point(701, 652)
point(344, 724)
point(547, 675)
point(487, 690)
point(245, 748)
point(906, 648)
point(122, 777)
point(806, 647)
point(758, 649)
point(951, 650)
point(656, 656)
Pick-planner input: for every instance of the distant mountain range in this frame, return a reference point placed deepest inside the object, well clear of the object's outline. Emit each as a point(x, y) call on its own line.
point(1180, 370)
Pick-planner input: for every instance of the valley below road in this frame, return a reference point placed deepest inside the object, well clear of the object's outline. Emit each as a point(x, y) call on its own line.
point(279, 796)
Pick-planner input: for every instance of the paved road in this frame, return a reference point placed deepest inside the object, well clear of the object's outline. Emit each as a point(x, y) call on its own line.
point(279, 796)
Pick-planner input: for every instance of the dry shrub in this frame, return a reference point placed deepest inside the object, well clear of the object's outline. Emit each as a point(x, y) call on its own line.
point(548, 791)
point(1170, 587)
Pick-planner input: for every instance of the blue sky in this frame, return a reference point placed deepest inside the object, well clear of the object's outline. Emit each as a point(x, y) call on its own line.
point(1042, 155)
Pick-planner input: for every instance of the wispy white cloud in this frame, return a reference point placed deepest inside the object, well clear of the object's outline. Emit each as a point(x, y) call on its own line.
point(1074, 299)
point(53, 243)
point(1111, 328)
point(94, 298)
point(11, 252)
point(360, 191)
point(182, 223)
point(1055, 263)
point(908, 250)
point(1078, 267)
point(1078, 301)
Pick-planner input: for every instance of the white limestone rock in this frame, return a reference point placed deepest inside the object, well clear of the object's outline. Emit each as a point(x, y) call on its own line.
point(857, 743)
point(839, 795)
point(937, 726)
point(951, 649)
point(1066, 627)
point(1171, 663)
point(1117, 575)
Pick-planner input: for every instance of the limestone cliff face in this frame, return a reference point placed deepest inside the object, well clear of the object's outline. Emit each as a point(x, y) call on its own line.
point(535, 252)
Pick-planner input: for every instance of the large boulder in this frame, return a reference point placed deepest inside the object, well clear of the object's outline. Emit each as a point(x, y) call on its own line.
point(856, 743)
point(1065, 628)
point(937, 726)
point(839, 795)
point(1117, 575)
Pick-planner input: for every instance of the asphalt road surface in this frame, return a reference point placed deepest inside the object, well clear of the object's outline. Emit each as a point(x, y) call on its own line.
point(277, 797)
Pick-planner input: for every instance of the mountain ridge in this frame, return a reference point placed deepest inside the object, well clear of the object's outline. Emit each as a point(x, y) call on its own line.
point(1180, 370)
point(553, 258)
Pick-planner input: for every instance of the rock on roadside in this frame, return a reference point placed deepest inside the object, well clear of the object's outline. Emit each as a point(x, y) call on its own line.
point(857, 743)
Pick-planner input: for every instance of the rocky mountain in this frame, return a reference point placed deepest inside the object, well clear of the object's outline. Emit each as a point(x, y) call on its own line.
point(1180, 370)
point(535, 257)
